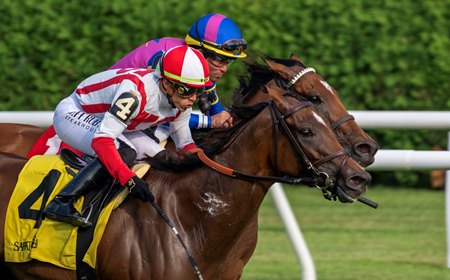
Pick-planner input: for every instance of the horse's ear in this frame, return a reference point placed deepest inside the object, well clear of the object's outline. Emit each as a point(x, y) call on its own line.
point(264, 89)
point(294, 57)
point(275, 92)
point(281, 69)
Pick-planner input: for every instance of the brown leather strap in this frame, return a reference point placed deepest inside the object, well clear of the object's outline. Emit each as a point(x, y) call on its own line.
point(342, 120)
point(331, 157)
point(214, 165)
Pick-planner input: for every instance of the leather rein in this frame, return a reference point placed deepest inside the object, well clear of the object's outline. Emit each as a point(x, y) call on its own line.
point(317, 178)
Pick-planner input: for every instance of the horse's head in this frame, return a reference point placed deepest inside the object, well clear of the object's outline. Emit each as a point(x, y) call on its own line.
point(308, 84)
point(303, 144)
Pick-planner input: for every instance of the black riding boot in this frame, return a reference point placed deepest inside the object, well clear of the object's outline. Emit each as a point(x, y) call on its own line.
point(61, 207)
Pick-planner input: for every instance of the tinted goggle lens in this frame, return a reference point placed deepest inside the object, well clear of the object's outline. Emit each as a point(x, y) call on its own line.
point(235, 45)
point(185, 91)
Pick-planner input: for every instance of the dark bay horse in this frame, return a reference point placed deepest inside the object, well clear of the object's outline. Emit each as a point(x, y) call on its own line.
point(18, 139)
point(215, 214)
point(294, 75)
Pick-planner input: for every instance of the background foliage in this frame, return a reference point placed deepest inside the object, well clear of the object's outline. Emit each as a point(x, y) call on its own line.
point(380, 54)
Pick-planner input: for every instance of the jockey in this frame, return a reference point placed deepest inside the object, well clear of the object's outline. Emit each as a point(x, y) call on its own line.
point(106, 117)
point(220, 41)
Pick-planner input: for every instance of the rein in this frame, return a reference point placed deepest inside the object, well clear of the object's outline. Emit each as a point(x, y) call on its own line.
point(318, 179)
point(241, 175)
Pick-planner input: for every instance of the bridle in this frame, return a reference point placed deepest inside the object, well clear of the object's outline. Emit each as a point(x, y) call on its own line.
point(334, 125)
point(339, 121)
point(324, 182)
point(317, 179)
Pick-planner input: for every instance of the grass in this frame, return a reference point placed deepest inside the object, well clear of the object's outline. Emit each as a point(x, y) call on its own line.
point(404, 239)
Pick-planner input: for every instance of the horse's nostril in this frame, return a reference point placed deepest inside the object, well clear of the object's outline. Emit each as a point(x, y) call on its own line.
point(360, 180)
point(363, 148)
point(356, 180)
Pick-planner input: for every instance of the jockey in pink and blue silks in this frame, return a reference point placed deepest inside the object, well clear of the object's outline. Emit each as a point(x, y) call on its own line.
point(217, 37)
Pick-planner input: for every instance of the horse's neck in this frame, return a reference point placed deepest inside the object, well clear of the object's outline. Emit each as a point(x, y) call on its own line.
point(249, 153)
point(211, 209)
point(218, 213)
point(212, 196)
point(215, 208)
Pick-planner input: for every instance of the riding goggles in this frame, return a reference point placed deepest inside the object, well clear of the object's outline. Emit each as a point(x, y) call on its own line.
point(234, 46)
point(185, 91)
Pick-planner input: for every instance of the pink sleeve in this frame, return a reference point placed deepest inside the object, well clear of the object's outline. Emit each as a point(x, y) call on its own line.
point(140, 57)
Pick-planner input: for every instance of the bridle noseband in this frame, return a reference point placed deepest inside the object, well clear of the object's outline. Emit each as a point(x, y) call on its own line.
point(324, 182)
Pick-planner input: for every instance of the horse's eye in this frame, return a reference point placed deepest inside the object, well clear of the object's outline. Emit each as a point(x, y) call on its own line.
point(315, 99)
point(305, 132)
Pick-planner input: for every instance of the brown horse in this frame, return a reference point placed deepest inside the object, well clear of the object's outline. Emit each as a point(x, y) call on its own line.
point(18, 139)
point(299, 78)
point(216, 214)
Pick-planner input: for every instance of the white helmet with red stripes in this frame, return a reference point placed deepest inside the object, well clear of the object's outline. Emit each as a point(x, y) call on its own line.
point(184, 65)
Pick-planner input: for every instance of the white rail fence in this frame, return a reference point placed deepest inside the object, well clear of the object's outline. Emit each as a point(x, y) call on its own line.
point(384, 160)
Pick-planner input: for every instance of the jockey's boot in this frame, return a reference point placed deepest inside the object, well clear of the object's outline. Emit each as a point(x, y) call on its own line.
point(61, 207)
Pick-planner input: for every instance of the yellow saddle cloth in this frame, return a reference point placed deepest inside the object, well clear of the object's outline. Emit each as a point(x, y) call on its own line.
point(28, 236)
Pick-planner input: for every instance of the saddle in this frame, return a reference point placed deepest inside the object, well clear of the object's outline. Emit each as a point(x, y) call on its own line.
point(29, 236)
point(94, 202)
point(74, 160)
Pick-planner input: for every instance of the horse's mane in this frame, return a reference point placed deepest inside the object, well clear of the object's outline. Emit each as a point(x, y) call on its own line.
point(212, 141)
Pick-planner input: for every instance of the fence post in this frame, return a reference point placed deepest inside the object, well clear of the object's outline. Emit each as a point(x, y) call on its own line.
point(447, 205)
point(293, 231)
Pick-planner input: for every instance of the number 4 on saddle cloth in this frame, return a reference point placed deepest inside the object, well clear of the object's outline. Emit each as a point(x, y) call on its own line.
point(29, 236)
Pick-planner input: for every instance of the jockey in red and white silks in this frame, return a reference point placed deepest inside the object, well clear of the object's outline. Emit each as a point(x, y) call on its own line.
point(117, 105)
point(83, 121)
point(106, 115)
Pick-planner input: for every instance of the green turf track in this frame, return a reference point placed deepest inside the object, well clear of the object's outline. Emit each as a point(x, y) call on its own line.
point(405, 238)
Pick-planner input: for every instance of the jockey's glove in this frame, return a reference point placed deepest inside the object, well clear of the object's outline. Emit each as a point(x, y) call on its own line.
point(139, 189)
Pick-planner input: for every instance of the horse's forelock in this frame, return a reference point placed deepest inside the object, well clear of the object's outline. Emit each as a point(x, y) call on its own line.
point(259, 74)
point(287, 62)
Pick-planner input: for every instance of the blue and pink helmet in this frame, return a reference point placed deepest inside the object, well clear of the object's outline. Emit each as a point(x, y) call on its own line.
point(219, 34)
